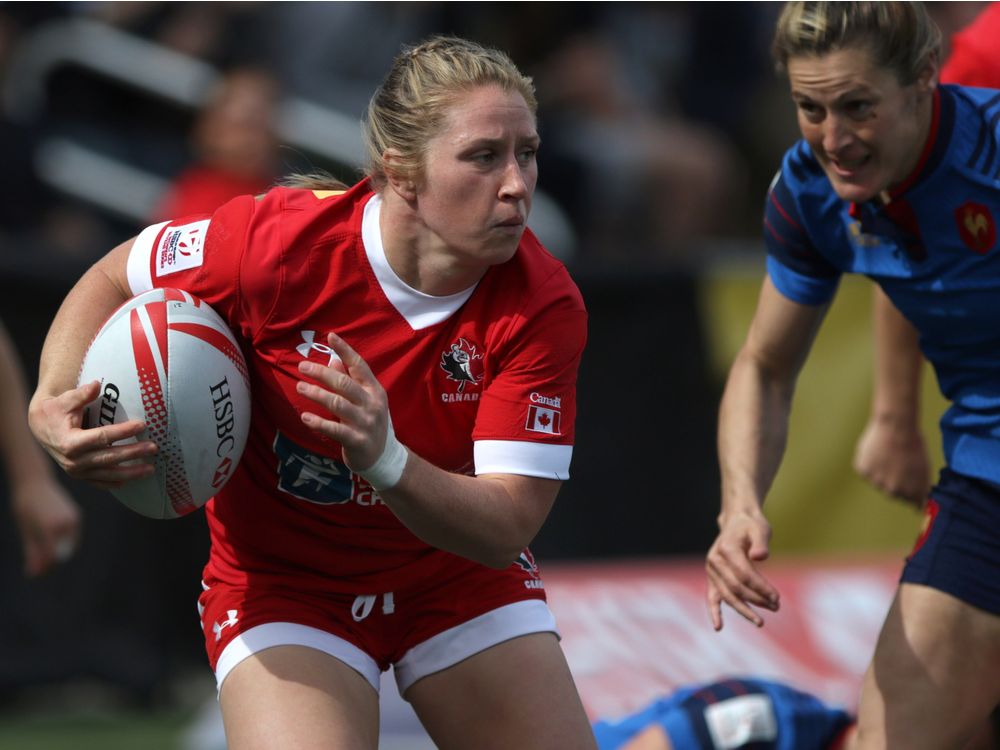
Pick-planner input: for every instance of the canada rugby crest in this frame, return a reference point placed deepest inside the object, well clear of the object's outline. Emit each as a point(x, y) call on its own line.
point(463, 364)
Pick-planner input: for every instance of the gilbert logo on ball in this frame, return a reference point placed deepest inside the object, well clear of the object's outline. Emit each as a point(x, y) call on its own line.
point(167, 358)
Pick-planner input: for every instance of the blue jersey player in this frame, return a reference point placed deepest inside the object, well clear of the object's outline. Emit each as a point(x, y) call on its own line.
point(731, 713)
point(895, 178)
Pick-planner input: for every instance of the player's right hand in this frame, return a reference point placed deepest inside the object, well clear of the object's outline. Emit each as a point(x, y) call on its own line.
point(89, 454)
point(733, 577)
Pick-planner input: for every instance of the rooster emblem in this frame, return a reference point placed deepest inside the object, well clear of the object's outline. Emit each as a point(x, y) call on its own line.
point(462, 364)
point(976, 227)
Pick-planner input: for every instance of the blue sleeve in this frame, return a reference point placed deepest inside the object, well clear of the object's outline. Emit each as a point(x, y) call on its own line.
point(806, 290)
point(797, 268)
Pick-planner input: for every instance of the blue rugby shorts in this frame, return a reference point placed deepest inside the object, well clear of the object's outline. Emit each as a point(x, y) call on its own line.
point(958, 550)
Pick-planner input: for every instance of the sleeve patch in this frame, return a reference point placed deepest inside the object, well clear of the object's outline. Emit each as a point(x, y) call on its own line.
point(181, 248)
point(542, 419)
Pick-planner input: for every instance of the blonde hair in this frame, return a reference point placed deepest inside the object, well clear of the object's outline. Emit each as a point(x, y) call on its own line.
point(409, 106)
point(900, 36)
point(317, 180)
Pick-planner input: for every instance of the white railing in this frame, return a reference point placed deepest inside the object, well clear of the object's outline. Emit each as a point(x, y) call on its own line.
point(80, 170)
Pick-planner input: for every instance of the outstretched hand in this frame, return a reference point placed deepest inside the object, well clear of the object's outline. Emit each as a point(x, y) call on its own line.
point(90, 454)
point(732, 576)
point(349, 391)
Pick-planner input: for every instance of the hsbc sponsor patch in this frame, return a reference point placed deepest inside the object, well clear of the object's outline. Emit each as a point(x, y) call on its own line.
point(181, 247)
point(544, 420)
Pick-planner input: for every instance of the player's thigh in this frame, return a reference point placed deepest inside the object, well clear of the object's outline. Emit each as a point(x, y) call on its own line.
point(652, 737)
point(516, 694)
point(298, 698)
point(933, 679)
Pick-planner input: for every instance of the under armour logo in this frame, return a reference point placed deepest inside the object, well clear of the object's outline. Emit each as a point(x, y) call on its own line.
point(309, 344)
point(230, 621)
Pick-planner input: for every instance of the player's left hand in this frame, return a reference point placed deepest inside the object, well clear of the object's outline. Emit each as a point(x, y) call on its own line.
point(49, 522)
point(894, 460)
point(348, 390)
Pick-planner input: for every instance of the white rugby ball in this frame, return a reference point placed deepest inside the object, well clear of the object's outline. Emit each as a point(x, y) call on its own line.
point(167, 358)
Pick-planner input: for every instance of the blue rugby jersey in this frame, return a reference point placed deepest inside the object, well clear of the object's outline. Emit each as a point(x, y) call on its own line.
point(738, 712)
point(933, 249)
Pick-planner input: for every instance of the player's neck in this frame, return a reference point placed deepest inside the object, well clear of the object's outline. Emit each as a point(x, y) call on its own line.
point(418, 256)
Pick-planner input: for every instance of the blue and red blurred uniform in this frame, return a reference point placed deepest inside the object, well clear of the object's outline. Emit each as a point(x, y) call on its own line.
point(734, 713)
point(931, 244)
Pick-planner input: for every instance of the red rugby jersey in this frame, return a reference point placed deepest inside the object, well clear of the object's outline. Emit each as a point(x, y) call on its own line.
point(478, 382)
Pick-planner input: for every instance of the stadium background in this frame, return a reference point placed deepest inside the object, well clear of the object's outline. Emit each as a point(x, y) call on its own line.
point(99, 101)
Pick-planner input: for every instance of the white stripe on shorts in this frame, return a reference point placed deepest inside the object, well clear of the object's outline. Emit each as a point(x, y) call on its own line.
point(448, 648)
point(273, 634)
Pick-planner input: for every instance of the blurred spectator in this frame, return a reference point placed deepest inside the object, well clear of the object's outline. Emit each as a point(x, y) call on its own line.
point(335, 54)
point(234, 144)
point(20, 192)
point(650, 181)
point(223, 34)
point(46, 516)
point(32, 216)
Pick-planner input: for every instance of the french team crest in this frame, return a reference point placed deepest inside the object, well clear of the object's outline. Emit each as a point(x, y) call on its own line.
point(463, 364)
point(976, 227)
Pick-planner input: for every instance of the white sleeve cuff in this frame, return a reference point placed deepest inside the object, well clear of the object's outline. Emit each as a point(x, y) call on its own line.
point(542, 460)
point(140, 277)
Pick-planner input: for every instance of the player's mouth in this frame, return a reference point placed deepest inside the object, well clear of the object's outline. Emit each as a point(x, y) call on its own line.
point(848, 168)
point(513, 224)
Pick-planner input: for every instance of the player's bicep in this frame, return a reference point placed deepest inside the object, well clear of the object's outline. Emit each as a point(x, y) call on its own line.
point(782, 332)
point(114, 266)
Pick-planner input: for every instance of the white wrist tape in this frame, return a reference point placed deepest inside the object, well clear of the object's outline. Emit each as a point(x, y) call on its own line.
point(385, 473)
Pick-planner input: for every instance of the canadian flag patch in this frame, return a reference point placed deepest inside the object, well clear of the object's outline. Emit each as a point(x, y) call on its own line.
point(180, 248)
point(544, 420)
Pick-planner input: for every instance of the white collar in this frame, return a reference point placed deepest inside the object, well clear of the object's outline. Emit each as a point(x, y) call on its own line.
point(420, 310)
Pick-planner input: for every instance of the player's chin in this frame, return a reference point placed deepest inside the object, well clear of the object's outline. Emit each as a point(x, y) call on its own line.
point(500, 249)
point(857, 189)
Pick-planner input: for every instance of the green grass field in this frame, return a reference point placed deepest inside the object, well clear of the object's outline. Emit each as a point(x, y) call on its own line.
point(132, 731)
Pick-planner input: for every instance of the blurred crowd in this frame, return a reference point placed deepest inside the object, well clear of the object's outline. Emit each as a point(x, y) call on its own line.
point(662, 122)
point(654, 137)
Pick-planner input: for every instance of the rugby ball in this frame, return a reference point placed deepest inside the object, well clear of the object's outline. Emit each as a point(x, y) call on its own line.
point(167, 358)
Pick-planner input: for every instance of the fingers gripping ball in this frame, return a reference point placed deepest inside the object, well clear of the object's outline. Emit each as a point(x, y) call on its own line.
point(167, 358)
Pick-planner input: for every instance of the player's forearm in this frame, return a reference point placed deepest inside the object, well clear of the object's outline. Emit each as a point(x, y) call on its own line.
point(753, 428)
point(475, 517)
point(94, 297)
point(898, 366)
point(23, 459)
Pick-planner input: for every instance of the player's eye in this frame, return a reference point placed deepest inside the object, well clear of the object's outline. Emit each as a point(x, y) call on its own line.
point(810, 111)
point(858, 108)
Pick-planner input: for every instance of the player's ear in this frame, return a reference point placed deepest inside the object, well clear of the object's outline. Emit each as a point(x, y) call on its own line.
point(399, 179)
point(927, 78)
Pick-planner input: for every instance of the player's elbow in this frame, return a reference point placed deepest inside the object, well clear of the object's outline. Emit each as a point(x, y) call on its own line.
point(501, 550)
point(500, 559)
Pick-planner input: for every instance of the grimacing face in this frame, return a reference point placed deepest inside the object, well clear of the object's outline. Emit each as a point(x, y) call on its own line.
point(479, 176)
point(865, 128)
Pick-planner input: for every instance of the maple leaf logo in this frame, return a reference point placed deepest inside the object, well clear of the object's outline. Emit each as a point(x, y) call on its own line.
point(462, 364)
